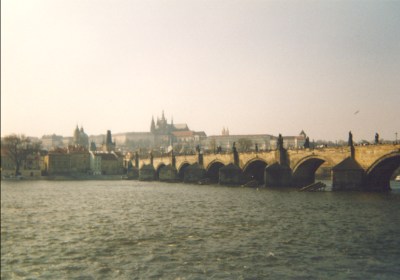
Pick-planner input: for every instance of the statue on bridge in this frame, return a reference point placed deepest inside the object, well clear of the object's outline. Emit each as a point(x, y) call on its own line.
point(307, 143)
point(280, 142)
point(376, 138)
point(136, 159)
point(351, 145)
point(256, 148)
point(235, 154)
point(350, 142)
point(200, 159)
point(173, 159)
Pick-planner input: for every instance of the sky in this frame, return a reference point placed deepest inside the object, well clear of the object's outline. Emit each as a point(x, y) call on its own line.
point(256, 67)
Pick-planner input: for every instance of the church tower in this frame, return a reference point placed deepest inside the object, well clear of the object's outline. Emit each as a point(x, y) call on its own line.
point(76, 135)
point(109, 146)
point(153, 125)
point(80, 138)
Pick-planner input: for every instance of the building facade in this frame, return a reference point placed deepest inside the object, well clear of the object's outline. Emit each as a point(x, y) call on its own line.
point(95, 163)
point(225, 142)
point(52, 141)
point(70, 161)
point(57, 162)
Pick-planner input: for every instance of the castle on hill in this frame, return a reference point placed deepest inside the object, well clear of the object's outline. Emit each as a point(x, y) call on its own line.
point(163, 136)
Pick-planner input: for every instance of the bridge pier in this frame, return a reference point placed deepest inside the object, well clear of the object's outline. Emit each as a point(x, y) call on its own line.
point(147, 173)
point(194, 173)
point(277, 175)
point(133, 173)
point(231, 175)
point(348, 175)
point(168, 174)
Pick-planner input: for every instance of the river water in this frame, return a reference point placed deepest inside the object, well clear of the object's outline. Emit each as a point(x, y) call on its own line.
point(138, 230)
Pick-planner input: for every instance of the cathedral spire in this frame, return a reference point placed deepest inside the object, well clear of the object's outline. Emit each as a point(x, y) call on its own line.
point(153, 125)
point(76, 134)
point(108, 138)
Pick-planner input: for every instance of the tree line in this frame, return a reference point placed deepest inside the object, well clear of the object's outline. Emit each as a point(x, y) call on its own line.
point(18, 148)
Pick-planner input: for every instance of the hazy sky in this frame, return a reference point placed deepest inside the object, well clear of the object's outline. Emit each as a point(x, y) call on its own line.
point(253, 66)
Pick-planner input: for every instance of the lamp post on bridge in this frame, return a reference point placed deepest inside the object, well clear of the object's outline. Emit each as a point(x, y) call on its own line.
point(396, 138)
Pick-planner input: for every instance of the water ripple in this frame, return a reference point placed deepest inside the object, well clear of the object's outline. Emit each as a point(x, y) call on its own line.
point(135, 230)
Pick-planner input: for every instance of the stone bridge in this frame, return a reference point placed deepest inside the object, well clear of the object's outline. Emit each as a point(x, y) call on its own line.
point(361, 167)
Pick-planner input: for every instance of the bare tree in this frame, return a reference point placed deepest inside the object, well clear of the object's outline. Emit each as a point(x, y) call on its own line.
point(18, 148)
point(245, 144)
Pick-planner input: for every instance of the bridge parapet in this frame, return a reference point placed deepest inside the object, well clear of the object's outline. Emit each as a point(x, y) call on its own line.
point(302, 163)
point(225, 159)
point(182, 160)
point(366, 156)
point(331, 156)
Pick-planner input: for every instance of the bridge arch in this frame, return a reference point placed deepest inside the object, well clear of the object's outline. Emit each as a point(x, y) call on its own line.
point(182, 168)
point(212, 170)
point(304, 171)
point(255, 169)
point(381, 171)
point(158, 169)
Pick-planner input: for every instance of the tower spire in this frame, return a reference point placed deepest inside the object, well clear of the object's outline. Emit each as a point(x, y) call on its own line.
point(153, 125)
